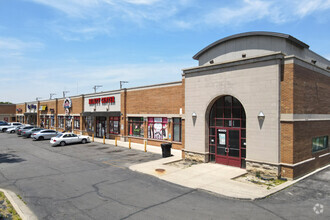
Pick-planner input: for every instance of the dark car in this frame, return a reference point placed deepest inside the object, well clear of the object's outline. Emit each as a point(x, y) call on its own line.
point(19, 131)
point(28, 133)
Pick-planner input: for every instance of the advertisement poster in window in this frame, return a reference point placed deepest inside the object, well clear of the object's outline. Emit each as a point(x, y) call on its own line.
point(222, 139)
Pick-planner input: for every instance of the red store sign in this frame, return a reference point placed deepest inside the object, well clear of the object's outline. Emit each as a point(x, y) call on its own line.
point(102, 100)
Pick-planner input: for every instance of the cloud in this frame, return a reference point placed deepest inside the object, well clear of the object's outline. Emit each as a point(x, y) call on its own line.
point(306, 7)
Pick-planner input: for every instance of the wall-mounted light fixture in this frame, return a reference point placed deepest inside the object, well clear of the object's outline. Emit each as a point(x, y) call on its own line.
point(261, 116)
point(211, 61)
point(313, 61)
point(244, 55)
point(169, 120)
point(145, 119)
point(194, 115)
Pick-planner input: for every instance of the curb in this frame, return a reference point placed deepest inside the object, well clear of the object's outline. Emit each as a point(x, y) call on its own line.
point(22, 210)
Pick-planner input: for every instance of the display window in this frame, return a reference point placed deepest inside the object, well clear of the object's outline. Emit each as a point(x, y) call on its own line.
point(89, 122)
point(135, 127)
point(61, 121)
point(76, 122)
point(177, 129)
point(157, 128)
point(114, 125)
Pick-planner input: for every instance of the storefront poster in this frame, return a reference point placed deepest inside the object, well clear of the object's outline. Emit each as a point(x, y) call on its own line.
point(222, 139)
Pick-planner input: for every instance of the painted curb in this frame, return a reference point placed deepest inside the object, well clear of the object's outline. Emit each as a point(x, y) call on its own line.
point(22, 210)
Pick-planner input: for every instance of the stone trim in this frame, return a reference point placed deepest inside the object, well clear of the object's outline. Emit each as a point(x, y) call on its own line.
point(299, 163)
point(304, 117)
point(263, 168)
point(323, 155)
point(194, 156)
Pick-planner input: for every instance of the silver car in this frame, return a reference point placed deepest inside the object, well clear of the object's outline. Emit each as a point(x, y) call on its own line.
point(44, 134)
point(28, 133)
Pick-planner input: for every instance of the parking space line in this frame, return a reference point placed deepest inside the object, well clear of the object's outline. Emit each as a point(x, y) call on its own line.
point(105, 162)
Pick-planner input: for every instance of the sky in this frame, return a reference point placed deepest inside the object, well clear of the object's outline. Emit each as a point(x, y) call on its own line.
point(51, 46)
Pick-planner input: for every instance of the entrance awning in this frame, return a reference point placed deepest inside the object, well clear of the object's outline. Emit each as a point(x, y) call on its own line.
point(104, 114)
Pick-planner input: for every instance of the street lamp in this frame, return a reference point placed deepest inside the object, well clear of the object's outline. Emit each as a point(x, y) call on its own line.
point(121, 83)
point(64, 92)
point(96, 86)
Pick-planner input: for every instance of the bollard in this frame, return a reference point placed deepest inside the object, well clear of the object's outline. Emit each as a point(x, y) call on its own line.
point(115, 141)
point(129, 143)
point(103, 139)
point(92, 137)
point(145, 146)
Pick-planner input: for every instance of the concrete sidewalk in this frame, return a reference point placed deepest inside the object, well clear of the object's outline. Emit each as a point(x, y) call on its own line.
point(211, 177)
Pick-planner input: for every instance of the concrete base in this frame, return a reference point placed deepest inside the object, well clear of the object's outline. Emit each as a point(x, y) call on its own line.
point(196, 157)
point(262, 168)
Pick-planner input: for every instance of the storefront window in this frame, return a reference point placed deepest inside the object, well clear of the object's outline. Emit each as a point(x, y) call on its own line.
point(76, 122)
point(114, 125)
point(68, 123)
point(135, 127)
point(177, 125)
point(61, 121)
point(320, 143)
point(89, 123)
point(52, 121)
point(157, 128)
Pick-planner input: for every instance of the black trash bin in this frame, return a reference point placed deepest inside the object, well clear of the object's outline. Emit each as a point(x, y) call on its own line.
point(166, 149)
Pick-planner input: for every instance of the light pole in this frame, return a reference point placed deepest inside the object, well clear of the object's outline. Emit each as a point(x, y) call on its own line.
point(64, 92)
point(121, 83)
point(96, 86)
point(51, 95)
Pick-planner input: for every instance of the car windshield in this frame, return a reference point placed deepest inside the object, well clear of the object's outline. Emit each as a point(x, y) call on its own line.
point(59, 135)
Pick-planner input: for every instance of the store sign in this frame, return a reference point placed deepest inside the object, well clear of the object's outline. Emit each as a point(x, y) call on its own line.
point(42, 107)
point(19, 109)
point(67, 103)
point(32, 107)
point(102, 100)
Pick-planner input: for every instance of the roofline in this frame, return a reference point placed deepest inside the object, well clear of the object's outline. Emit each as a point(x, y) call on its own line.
point(253, 33)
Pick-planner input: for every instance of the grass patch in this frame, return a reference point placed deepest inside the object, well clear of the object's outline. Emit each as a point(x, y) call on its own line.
point(7, 211)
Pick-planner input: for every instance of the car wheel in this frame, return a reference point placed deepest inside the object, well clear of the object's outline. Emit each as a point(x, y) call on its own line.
point(41, 138)
point(84, 141)
point(62, 143)
point(4, 130)
point(12, 131)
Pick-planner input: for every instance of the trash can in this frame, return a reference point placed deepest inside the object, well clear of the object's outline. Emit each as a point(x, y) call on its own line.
point(166, 149)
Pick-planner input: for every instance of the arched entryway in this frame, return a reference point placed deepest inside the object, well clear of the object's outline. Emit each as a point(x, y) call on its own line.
point(227, 124)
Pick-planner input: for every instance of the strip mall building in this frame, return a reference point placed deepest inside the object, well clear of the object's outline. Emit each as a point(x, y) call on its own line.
point(258, 100)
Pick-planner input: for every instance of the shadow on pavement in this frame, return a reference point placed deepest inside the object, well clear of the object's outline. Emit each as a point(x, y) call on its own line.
point(10, 158)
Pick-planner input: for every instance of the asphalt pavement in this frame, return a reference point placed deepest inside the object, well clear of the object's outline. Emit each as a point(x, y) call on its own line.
point(92, 181)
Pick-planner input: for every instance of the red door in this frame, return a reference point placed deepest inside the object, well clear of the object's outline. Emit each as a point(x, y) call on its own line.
point(228, 147)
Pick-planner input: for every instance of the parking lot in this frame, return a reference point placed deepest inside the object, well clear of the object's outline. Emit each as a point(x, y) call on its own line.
point(92, 181)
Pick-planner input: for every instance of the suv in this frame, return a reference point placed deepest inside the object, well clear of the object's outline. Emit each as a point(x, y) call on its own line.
point(3, 128)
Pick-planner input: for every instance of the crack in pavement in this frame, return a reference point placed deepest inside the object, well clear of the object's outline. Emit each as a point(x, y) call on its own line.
point(158, 204)
point(268, 210)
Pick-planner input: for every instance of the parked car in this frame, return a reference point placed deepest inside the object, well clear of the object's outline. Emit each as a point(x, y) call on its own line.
point(24, 128)
point(68, 138)
point(3, 123)
point(44, 134)
point(3, 128)
point(29, 132)
point(11, 129)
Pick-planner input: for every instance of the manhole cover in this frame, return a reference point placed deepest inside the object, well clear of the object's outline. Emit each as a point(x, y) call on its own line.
point(101, 148)
point(160, 170)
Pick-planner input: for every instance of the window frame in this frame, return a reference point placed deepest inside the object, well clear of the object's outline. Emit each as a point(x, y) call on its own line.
point(76, 121)
point(316, 149)
point(180, 128)
point(112, 125)
point(133, 121)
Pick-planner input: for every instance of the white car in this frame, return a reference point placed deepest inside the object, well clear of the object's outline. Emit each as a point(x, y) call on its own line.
point(11, 129)
point(3, 128)
point(68, 138)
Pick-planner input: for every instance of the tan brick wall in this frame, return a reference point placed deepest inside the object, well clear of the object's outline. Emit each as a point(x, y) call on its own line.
point(287, 89)
point(21, 106)
point(7, 109)
point(51, 104)
point(287, 142)
point(163, 100)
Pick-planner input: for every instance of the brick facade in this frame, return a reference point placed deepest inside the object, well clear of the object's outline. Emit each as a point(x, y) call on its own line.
point(303, 91)
point(7, 111)
point(153, 101)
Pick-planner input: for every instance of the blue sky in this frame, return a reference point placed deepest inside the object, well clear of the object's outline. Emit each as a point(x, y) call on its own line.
point(47, 46)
